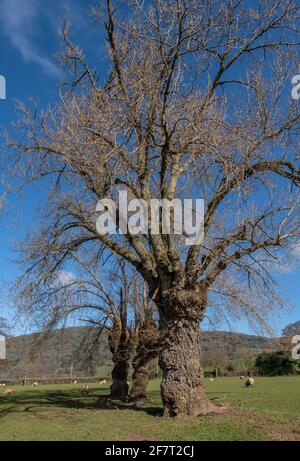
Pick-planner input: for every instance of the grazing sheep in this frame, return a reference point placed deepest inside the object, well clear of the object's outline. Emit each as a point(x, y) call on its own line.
point(35, 384)
point(84, 389)
point(3, 385)
point(74, 382)
point(102, 382)
point(8, 392)
point(211, 379)
point(242, 377)
point(249, 382)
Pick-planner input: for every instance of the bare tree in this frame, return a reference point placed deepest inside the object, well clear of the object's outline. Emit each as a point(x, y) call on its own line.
point(121, 340)
point(100, 292)
point(194, 103)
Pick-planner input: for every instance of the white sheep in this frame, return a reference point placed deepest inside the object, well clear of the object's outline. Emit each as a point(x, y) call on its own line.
point(249, 382)
point(242, 377)
point(102, 382)
point(35, 384)
point(85, 389)
point(211, 379)
point(8, 392)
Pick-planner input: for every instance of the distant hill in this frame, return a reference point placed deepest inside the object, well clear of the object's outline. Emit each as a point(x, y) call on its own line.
point(66, 352)
point(292, 329)
point(235, 344)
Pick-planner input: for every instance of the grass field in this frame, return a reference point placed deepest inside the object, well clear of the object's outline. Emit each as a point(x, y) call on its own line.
point(269, 411)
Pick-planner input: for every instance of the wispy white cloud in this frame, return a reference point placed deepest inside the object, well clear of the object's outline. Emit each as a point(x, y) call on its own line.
point(19, 19)
point(290, 262)
point(64, 278)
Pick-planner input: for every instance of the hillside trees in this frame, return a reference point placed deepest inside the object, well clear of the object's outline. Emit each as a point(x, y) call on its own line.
point(276, 364)
point(194, 104)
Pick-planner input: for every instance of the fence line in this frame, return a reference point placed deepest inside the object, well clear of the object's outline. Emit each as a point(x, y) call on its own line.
point(28, 381)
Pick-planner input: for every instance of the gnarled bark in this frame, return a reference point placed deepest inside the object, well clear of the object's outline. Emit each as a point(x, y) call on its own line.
point(121, 343)
point(119, 387)
point(142, 366)
point(182, 386)
point(120, 346)
point(143, 362)
point(146, 351)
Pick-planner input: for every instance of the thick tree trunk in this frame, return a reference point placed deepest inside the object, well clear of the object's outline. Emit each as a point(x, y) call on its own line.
point(142, 366)
point(146, 352)
point(144, 360)
point(119, 387)
point(182, 384)
point(120, 344)
point(120, 341)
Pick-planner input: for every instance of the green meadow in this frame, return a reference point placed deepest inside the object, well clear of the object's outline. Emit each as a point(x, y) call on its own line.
point(269, 411)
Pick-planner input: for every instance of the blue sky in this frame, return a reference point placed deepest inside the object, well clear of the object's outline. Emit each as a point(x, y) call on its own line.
point(28, 43)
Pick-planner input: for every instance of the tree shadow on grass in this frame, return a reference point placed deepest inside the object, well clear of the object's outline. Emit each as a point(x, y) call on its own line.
point(39, 401)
